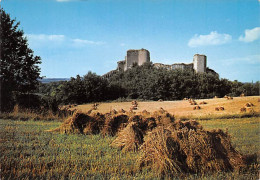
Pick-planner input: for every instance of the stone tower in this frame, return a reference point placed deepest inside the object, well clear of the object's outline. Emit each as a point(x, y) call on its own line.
point(199, 63)
point(139, 57)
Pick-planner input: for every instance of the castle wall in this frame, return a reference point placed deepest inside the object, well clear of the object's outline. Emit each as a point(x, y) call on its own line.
point(178, 66)
point(199, 63)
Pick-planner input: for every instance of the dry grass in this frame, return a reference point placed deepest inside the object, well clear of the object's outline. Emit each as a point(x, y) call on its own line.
point(182, 108)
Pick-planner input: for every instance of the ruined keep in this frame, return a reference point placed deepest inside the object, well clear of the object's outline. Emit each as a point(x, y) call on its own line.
point(141, 56)
point(199, 63)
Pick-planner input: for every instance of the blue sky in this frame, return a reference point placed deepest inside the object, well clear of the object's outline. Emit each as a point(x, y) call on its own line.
point(76, 36)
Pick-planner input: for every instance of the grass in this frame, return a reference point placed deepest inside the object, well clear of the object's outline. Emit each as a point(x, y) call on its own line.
point(28, 114)
point(28, 152)
point(245, 133)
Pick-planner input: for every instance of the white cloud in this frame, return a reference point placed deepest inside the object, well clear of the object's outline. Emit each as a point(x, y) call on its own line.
point(85, 42)
point(44, 37)
point(44, 40)
point(40, 40)
point(214, 38)
point(122, 44)
point(250, 35)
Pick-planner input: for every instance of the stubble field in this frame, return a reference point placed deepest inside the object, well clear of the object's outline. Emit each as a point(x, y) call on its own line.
point(29, 152)
point(183, 108)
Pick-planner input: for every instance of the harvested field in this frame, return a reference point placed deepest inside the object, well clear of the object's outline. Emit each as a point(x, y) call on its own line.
point(28, 152)
point(120, 145)
point(182, 108)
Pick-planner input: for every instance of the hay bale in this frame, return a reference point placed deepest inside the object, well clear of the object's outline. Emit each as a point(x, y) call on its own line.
point(193, 103)
point(130, 138)
point(196, 108)
point(113, 111)
point(243, 109)
point(95, 125)
point(94, 106)
point(187, 147)
point(89, 111)
point(135, 118)
point(220, 108)
point(121, 111)
point(163, 119)
point(249, 104)
point(147, 124)
point(160, 153)
point(114, 123)
point(145, 113)
point(162, 111)
point(229, 98)
point(135, 103)
point(144, 123)
point(203, 102)
point(76, 124)
point(133, 108)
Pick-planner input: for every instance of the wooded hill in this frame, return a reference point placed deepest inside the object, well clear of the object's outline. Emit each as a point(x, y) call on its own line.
point(147, 83)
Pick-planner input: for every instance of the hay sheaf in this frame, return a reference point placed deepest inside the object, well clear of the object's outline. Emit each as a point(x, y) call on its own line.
point(160, 153)
point(186, 147)
point(130, 138)
point(169, 147)
point(111, 123)
point(80, 123)
point(114, 123)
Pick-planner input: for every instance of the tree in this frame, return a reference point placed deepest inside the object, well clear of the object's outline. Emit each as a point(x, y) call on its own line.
point(19, 67)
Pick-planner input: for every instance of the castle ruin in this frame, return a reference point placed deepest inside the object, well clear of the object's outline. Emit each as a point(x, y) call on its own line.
point(132, 57)
point(199, 63)
point(141, 56)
